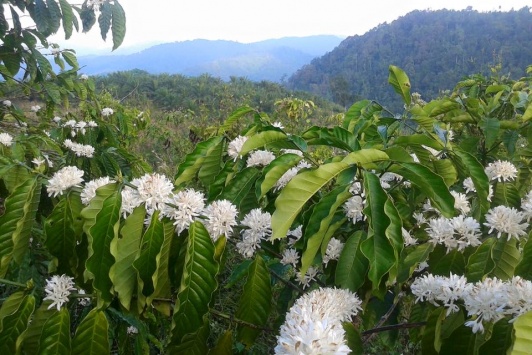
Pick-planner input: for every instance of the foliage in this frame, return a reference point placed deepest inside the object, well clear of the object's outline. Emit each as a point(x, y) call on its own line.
point(105, 256)
point(436, 48)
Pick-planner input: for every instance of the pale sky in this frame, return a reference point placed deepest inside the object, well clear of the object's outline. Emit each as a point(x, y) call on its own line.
point(160, 21)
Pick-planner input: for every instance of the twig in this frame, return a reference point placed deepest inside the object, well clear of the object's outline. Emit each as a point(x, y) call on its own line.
point(239, 321)
point(392, 327)
point(13, 283)
point(384, 318)
point(286, 282)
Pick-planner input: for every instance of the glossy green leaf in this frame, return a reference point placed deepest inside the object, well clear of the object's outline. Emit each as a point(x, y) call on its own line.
point(523, 334)
point(505, 193)
point(125, 250)
point(480, 262)
point(365, 156)
point(490, 127)
point(104, 19)
point(478, 176)
point(353, 338)
point(234, 117)
point(63, 229)
point(352, 266)
point(446, 169)
point(432, 185)
point(240, 188)
point(14, 319)
point(212, 164)
point(501, 339)
point(224, 346)
point(464, 341)
point(376, 248)
point(119, 25)
point(524, 268)
point(273, 172)
point(431, 341)
point(193, 162)
point(261, 139)
point(400, 83)
point(101, 222)
point(319, 222)
point(198, 283)
point(68, 16)
point(506, 257)
point(193, 343)
point(410, 259)
point(255, 302)
point(55, 336)
point(17, 221)
point(150, 247)
point(452, 262)
point(92, 337)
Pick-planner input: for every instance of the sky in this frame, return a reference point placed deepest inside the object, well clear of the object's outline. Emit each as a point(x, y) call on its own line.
point(245, 21)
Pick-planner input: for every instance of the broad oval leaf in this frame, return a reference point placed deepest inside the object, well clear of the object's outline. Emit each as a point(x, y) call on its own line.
point(523, 334)
point(352, 266)
point(261, 139)
point(193, 162)
point(274, 171)
point(400, 83)
point(92, 336)
point(14, 319)
point(255, 302)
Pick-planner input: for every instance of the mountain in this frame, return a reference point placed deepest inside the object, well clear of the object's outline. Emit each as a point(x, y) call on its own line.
point(435, 48)
point(270, 60)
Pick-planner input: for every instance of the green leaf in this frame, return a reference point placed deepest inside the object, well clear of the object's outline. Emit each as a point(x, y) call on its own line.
point(376, 248)
point(71, 59)
point(193, 343)
point(501, 339)
point(431, 341)
point(255, 302)
point(411, 259)
point(150, 246)
point(451, 262)
point(480, 262)
point(44, 64)
point(224, 346)
point(14, 319)
point(506, 257)
point(125, 250)
point(479, 177)
point(430, 183)
point(524, 268)
point(365, 156)
point(161, 277)
point(92, 336)
point(274, 171)
point(319, 222)
point(353, 338)
point(352, 266)
point(193, 162)
point(63, 229)
point(400, 83)
point(464, 341)
point(102, 219)
point(68, 16)
point(104, 20)
point(212, 165)
point(119, 25)
point(234, 117)
point(261, 139)
point(16, 223)
point(55, 336)
point(506, 194)
point(490, 127)
point(332, 137)
point(446, 169)
point(198, 283)
point(523, 335)
point(240, 187)
point(54, 15)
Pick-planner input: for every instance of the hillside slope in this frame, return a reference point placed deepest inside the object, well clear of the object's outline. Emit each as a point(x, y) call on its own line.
point(435, 48)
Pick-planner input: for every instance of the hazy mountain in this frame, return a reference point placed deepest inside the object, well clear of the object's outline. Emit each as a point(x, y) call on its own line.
point(435, 48)
point(266, 60)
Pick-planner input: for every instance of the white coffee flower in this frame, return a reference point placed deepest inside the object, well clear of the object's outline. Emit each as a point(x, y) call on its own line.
point(278, 125)
point(501, 171)
point(235, 147)
point(333, 251)
point(6, 139)
point(132, 330)
point(313, 324)
point(107, 111)
point(408, 240)
point(80, 150)
point(62, 180)
point(84, 77)
point(460, 202)
point(506, 220)
point(84, 301)
point(57, 289)
point(485, 302)
point(290, 256)
point(469, 186)
point(221, 218)
point(38, 162)
point(292, 151)
point(7, 103)
point(130, 200)
point(259, 228)
point(296, 233)
point(526, 206)
point(35, 108)
point(89, 191)
point(354, 207)
point(260, 158)
point(154, 190)
point(305, 280)
point(189, 205)
point(57, 119)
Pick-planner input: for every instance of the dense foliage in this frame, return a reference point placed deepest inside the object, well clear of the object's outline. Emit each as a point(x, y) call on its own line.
point(269, 237)
point(436, 48)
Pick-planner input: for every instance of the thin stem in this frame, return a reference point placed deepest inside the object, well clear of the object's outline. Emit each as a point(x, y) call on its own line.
point(384, 318)
point(239, 321)
point(393, 327)
point(286, 282)
point(13, 283)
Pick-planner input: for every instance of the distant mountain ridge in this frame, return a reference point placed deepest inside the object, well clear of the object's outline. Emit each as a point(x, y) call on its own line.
point(435, 48)
point(270, 60)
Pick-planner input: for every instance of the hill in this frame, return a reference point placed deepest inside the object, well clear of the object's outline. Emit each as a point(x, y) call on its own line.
point(435, 48)
point(270, 60)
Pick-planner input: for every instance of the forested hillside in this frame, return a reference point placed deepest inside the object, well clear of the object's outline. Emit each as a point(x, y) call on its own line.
point(436, 49)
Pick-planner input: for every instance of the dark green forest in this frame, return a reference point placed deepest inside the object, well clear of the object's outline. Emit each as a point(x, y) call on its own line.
point(436, 49)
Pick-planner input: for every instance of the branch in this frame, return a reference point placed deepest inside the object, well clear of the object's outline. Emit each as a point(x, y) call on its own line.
point(239, 321)
point(383, 319)
point(392, 327)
